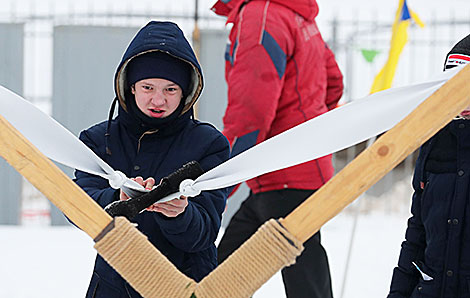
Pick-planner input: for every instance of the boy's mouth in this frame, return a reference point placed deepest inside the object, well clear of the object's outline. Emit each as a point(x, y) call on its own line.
point(157, 113)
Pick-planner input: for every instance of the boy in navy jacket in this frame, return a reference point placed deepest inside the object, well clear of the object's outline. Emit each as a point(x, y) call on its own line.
point(435, 257)
point(157, 83)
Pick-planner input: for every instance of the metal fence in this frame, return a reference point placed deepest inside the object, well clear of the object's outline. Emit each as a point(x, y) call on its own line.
point(360, 46)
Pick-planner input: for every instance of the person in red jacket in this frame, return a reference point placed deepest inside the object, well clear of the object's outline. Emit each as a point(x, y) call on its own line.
point(280, 73)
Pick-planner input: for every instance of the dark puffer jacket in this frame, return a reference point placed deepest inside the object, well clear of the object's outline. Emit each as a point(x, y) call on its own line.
point(438, 233)
point(138, 150)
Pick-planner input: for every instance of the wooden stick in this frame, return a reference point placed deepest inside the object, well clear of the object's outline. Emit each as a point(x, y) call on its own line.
point(161, 276)
point(51, 181)
point(388, 151)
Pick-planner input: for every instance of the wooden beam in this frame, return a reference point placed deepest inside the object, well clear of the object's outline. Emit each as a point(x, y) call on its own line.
point(51, 181)
point(380, 158)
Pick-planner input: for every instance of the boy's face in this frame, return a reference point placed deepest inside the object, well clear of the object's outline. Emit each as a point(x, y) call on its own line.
point(157, 98)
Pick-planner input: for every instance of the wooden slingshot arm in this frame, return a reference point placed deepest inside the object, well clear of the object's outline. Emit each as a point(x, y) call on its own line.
point(117, 240)
point(250, 267)
point(51, 181)
point(380, 158)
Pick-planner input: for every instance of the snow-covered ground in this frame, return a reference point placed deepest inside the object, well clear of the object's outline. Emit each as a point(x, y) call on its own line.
point(54, 262)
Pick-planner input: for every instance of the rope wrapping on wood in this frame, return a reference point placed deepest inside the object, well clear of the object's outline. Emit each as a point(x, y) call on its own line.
point(125, 247)
point(270, 249)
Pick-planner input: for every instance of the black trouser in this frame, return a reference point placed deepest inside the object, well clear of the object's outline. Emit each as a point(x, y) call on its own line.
point(309, 277)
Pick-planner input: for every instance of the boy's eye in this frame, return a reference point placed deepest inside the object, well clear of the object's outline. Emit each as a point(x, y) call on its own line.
point(146, 87)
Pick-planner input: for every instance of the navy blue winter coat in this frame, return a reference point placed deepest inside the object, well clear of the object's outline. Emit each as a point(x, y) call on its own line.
point(438, 233)
point(139, 150)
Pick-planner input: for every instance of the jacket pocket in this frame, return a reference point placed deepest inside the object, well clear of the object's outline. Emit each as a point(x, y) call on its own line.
point(424, 275)
point(99, 288)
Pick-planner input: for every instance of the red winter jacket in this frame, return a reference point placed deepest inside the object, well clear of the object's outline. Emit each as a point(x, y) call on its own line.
point(280, 73)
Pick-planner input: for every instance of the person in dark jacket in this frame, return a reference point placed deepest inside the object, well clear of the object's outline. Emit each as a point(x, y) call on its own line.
point(157, 83)
point(435, 256)
point(280, 73)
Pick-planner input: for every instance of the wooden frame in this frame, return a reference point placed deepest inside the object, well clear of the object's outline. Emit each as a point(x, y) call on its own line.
point(303, 222)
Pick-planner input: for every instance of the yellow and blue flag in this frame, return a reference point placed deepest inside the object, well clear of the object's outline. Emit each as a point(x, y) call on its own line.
point(403, 19)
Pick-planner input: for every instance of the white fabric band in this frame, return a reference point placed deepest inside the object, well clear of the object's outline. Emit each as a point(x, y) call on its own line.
point(328, 133)
point(323, 135)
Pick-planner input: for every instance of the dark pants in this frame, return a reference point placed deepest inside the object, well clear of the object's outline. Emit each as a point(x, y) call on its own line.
point(309, 277)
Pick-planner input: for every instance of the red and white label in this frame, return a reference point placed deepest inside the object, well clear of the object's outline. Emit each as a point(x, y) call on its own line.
point(457, 59)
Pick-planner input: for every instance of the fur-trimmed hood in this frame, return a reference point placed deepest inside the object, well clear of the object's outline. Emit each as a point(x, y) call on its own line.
point(166, 37)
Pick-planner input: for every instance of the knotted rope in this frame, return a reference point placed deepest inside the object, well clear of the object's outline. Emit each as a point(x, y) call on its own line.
point(270, 249)
point(126, 249)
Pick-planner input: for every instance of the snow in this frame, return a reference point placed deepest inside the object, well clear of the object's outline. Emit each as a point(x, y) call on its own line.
point(58, 261)
point(44, 262)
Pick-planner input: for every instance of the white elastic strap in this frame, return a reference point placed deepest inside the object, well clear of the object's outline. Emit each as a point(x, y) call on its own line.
point(335, 130)
point(323, 135)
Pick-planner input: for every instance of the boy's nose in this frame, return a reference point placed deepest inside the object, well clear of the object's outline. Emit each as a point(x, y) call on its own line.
point(158, 98)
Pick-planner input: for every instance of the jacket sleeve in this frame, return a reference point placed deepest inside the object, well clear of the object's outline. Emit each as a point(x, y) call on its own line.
point(197, 227)
point(254, 74)
point(96, 187)
point(405, 276)
point(335, 86)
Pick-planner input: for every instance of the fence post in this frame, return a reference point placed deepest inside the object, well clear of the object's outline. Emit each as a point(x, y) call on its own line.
point(11, 76)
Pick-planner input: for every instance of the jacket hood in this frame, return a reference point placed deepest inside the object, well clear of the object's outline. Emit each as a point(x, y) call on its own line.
point(166, 37)
point(306, 8)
